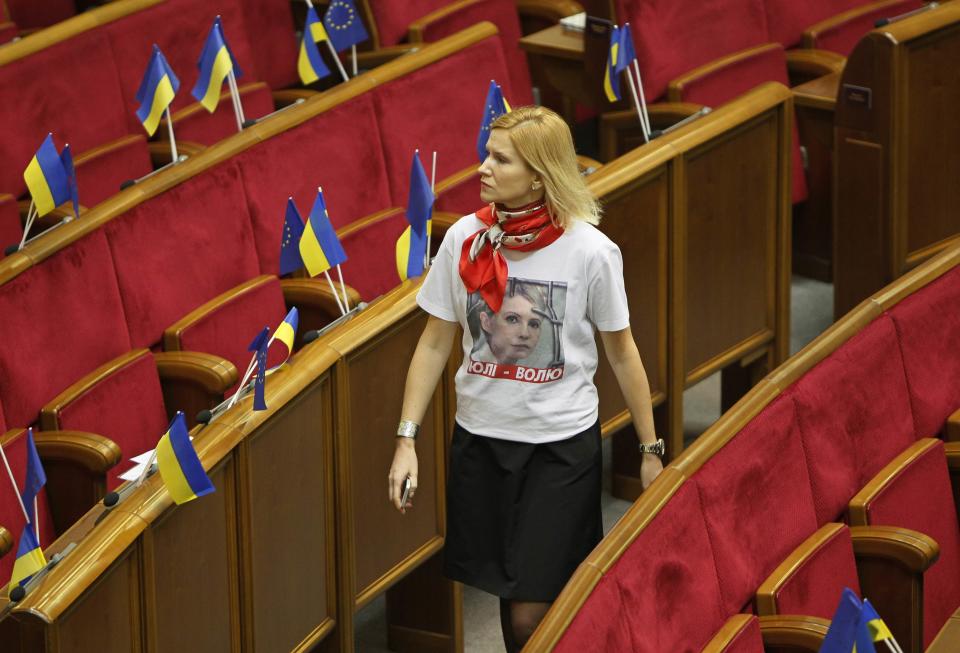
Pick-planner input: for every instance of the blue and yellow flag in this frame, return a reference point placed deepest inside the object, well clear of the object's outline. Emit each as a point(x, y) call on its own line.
point(66, 158)
point(319, 246)
point(842, 635)
point(286, 333)
point(35, 477)
point(412, 244)
point(259, 346)
point(344, 26)
point(29, 559)
point(626, 52)
point(156, 91)
point(494, 107)
point(180, 468)
point(215, 63)
point(878, 629)
point(46, 178)
point(611, 76)
point(290, 259)
point(310, 64)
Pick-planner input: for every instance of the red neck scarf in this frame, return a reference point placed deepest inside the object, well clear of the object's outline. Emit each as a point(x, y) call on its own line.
point(482, 267)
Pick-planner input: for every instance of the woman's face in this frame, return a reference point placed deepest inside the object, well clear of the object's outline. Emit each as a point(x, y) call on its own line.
point(514, 332)
point(504, 177)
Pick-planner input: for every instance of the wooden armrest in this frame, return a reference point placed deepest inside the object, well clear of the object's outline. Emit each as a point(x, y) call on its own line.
point(620, 130)
point(287, 96)
point(315, 302)
point(90, 451)
point(951, 432)
point(373, 58)
point(793, 632)
point(6, 541)
point(549, 10)
point(420, 25)
point(812, 33)
point(192, 381)
point(910, 549)
point(953, 464)
point(676, 87)
point(807, 64)
point(587, 165)
point(160, 154)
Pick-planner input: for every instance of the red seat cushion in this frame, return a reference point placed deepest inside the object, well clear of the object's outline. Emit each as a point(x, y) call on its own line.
point(170, 260)
point(757, 501)
point(338, 147)
point(843, 37)
point(392, 18)
point(920, 497)
point(462, 198)
point(196, 124)
point(126, 407)
point(30, 13)
point(928, 330)
point(8, 32)
point(787, 19)
point(100, 171)
point(601, 624)
point(854, 413)
point(11, 515)
point(11, 229)
point(372, 265)
point(270, 24)
point(66, 318)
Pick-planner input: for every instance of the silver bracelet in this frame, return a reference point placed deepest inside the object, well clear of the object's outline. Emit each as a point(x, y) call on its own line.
point(408, 429)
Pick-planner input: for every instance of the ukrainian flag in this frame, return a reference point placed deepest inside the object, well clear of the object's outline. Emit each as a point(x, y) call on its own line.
point(30, 558)
point(310, 64)
point(611, 76)
point(626, 53)
point(216, 62)
point(412, 244)
point(286, 333)
point(878, 629)
point(46, 178)
point(180, 468)
point(156, 91)
point(319, 246)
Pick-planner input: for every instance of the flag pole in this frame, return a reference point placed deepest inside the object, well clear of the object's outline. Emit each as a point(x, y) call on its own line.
point(636, 103)
point(31, 215)
point(173, 141)
point(246, 377)
point(336, 59)
point(146, 469)
point(336, 295)
point(13, 481)
point(235, 96)
point(343, 287)
point(36, 519)
point(643, 100)
point(433, 189)
point(353, 58)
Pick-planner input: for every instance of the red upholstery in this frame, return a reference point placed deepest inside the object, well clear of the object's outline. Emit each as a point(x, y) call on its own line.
point(815, 585)
point(126, 407)
point(66, 319)
point(854, 412)
point(178, 250)
point(339, 150)
point(8, 32)
point(928, 328)
point(411, 118)
point(462, 199)
point(672, 38)
point(228, 330)
point(919, 497)
point(392, 18)
point(200, 126)
point(11, 515)
point(101, 171)
point(31, 13)
point(371, 267)
point(842, 38)
point(71, 89)
point(503, 14)
point(753, 488)
point(11, 229)
point(668, 571)
point(787, 19)
point(726, 83)
point(270, 26)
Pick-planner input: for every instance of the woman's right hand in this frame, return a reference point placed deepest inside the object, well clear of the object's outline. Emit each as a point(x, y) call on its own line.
point(404, 465)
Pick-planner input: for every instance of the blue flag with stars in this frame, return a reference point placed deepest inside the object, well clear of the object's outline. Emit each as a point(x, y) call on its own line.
point(290, 259)
point(259, 345)
point(495, 107)
point(344, 27)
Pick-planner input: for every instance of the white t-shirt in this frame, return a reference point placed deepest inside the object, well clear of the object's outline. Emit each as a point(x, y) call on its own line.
point(527, 372)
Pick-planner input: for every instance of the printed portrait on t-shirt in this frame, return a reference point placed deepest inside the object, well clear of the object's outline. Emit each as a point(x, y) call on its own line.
point(522, 342)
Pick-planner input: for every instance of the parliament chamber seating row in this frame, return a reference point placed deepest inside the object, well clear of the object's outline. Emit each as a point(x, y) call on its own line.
point(259, 474)
point(829, 473)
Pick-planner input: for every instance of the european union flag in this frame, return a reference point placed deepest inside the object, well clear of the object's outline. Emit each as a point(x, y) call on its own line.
point(879, 632)
point(180, 468)
point(842, 635)
point(259, 345)
point(494, 107)
point(319, 245)
point(46, 178)
point(290, 259)
point(156, 91)
point(215, 63)
point(35, 477)
point(611, 76)
point(310, 64)
point(627, 53)
point(412, 245)
point(344, 26)
point(67, 160)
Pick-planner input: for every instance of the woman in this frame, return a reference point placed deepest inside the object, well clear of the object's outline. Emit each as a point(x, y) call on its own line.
point(523, 495)
point(512, 334)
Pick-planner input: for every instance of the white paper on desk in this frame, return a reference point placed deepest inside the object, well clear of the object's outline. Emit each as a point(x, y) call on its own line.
point(134, 472)
point(142, 458)
point(576, 22)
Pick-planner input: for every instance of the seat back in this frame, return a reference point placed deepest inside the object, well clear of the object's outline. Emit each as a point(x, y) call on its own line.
point(391, 19)
point(100, 171)
point(196, 124)
point(121, 400)
point(914, 492)
point(842, 37)
point(270, 24)
point(11, 229)
point(370, 245)
point(8, 31)
point(787, 19)
point(14, 445)
point(33, 14)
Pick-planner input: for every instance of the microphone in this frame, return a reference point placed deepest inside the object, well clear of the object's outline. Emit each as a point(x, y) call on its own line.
point(677, 125)
point(133, 182)
point(310, 336)
point(11, 249)
point(19, 592)
point(883, 22)
point(250, 122)
point(111, 499)
point(204, 416)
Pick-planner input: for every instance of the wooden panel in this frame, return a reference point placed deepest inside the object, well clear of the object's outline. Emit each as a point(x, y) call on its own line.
point(190, 558)
point(730, 240)
point(106, 618)
point(288, 486)
point(382, 537)
point(635, 217)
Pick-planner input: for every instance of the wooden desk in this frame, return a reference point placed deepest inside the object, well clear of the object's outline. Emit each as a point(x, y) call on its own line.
point(819, 93)
point(948, 639)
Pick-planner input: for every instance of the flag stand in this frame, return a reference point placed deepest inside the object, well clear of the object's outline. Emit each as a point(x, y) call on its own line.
point(146, 469)
point(31, 216)
point(246, 377)
point(433, 189)
point(343, 287)
point(636, 102)
point(353, 58)
point(336, 295)
point(643, 99)
point(336, 59)
point(235, 96)
point(16, 490)
point(173, 141)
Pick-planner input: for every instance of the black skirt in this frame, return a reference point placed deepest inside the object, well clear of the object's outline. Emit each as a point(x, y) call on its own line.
point(521, 517)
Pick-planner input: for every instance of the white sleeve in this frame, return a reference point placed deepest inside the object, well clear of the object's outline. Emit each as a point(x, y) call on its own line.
point(606, 295)
point(436, 295)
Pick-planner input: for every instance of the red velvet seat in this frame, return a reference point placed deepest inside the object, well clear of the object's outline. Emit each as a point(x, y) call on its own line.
point(270, 24)
point(11, 228)
point(33, 14)
point(370, 245)
point(100, 171)
point(787, 19)
point(194, 123)
point(914, 492)
point(741, 634)
point(8, 31)
point(842, 36)
point(14, 445)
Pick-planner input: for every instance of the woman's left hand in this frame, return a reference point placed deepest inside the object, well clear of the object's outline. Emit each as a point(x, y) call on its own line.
point(650, 468)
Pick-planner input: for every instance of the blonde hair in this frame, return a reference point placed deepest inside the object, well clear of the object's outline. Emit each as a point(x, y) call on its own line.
point(543, 141)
